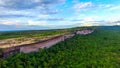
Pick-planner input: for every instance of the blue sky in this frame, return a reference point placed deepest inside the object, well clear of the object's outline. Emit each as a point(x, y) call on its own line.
point(53, 14)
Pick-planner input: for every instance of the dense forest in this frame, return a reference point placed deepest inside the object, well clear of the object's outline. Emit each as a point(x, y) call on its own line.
point(100, 49)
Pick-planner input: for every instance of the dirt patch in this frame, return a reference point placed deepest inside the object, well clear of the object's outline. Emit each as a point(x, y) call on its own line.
point(21, 41)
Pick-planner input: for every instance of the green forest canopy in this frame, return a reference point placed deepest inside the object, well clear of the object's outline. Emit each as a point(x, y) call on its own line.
point(100, 49)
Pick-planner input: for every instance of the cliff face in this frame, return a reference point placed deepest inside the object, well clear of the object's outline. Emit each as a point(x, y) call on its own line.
point(35, 46)
point(7, 43)
point(42, 44)
point(84, 32)
point(47, 43)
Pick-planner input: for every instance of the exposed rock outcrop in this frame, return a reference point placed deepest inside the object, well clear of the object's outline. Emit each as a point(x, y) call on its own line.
point(41, 44)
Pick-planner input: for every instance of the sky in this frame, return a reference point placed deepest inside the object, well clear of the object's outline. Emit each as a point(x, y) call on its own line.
point(54, 14)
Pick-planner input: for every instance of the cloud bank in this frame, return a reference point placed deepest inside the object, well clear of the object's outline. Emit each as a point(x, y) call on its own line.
point(58, 13)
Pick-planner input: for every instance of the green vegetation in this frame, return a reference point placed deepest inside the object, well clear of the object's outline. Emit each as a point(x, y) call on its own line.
point(100, 49)
point(29, 34)
point(1, 52)
point(36, 33)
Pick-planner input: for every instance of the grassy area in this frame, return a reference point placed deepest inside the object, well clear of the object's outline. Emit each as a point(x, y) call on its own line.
point(9, 39)
point(36, 33)
point(16, 38)
point(100, 49)
point(29, 34)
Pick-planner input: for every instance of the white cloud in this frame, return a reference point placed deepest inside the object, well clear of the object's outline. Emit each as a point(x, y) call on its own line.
point(115, 7)
point(87, 24)
point(48, 24)
point(36, 1)
point(28, 4)
point(43, 16)
point(90, 19)
point(28, 8)
point(1, 2)
point(105, 5)
point(42, 23)
point(108, 7)
point(83, 6)
point(10, 23)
